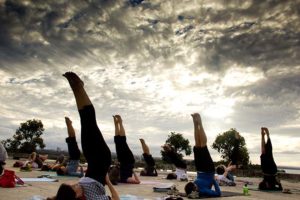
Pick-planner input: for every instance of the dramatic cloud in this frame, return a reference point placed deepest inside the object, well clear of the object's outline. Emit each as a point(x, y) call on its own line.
point(155, 62)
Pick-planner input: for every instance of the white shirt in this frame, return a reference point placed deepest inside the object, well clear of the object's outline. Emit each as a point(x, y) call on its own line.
point(181, 174)
point(3, 153)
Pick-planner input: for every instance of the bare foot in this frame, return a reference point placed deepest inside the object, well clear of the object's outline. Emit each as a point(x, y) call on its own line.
point(68, 121)
point(142, 140)
point(115, 119)
point(267, 132)
point(196, 117)
point(262, 131)
point(118, 118)
point(74, 80)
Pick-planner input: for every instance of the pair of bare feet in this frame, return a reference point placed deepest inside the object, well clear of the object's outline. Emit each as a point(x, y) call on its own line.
point(68, 121)
point(71, 131)
point(196, 118)
point(74, 80)
point(265, 131)
point(117, 119)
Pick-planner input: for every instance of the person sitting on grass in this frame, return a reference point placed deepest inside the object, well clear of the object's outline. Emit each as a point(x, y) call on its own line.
point(149, 170)
point(95, 150)
point(268, 165)
point(124, 154)
point(74, 154)
point(202, 186)
point(180, 172)
point(224, 174)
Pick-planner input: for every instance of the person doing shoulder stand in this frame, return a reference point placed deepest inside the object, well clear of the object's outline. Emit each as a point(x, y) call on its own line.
point(268, 165)
point(74, 154)
point(124, 154)
point(150, 169)
point(95, 150)
point(204, 164)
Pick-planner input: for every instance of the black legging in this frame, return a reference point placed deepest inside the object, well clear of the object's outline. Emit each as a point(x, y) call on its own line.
point(235, 156)
point(94, 147)
point(203, 161)
point(125, 157)
point(267, 162)
point(149, 160)
point(74, 152)
point(150, 163)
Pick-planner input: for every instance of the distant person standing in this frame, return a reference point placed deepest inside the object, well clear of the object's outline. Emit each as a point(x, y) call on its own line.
point(268, 165)
point(3, 157)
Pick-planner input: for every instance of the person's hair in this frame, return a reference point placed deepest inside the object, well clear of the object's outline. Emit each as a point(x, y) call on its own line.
point(143, 172)
point(189, 188)
point(171, 176)
point(114, 175)
point(65, 192)
point(60, 171)
point(262, 185)
point(220, 169)
point(1, 169)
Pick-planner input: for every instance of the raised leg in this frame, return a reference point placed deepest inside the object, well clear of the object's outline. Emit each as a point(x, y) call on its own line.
point(81, 97)
point(93, 144)
point(145, 147)
point(121, 127)
point(263, 142)
point(117, 131)
point(74, 152)
point(203, 161)
point(199, 133)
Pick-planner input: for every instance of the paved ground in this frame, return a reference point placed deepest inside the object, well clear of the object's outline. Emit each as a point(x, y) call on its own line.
point(47, 189)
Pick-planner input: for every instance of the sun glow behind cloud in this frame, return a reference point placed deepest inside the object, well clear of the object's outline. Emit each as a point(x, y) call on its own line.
point(238, 76)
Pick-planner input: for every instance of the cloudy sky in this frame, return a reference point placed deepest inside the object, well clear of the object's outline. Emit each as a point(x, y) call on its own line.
point(154, 62)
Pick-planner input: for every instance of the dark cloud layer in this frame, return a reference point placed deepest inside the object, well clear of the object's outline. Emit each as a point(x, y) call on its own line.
point(154, 60)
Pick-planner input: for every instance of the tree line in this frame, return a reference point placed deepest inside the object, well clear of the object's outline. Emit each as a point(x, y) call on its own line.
point(28, 138)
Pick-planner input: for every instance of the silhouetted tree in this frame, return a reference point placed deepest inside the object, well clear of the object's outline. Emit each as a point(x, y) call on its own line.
point(27, 137)
point(224, 144)
point(179, 144)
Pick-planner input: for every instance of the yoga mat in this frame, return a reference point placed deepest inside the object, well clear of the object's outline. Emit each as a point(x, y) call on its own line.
point(163, 187)
point(39, 180)
point(153, 183)
point(231, 194)
point(292, 190)
point(133, 197)
point(56, 176)
point(224, 194)
point(256, 189)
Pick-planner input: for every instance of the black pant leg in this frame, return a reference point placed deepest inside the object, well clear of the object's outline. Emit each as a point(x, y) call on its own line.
point(74, 152)
point(124, 154)
point(203, 161)
point(94, 146)
point(268, 164)
point(149, 160)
